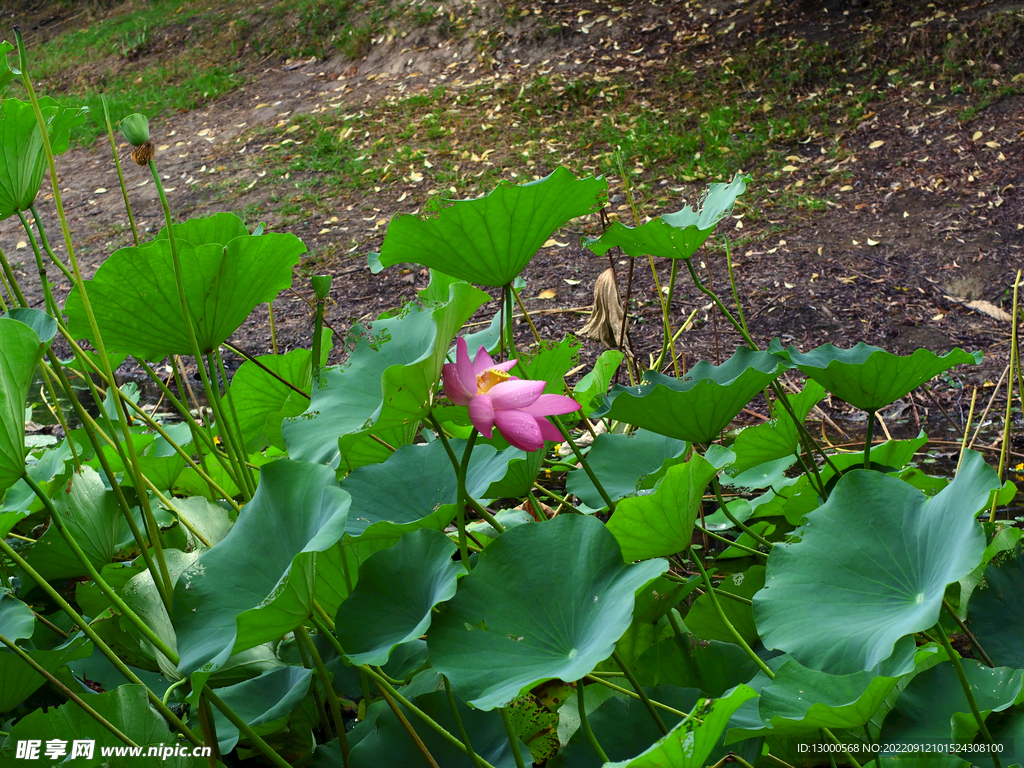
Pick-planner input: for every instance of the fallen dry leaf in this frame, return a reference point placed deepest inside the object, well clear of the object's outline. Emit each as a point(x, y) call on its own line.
point(547, 293)
point(876, 144)
point(990, 309)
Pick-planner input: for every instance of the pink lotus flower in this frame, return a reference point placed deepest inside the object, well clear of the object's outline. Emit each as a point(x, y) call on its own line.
point(496, 398)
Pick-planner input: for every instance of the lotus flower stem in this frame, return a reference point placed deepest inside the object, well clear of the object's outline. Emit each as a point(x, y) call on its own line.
point(120, 174)
point(586, 466)
point(513, 740)
point(732, 518)
point(585, 723)
point(384, 685)
point(67, 692)
point(460, 476)
point(458, 723)
point(325, 683)
point(968, 691)
point(44, 241)
point(243, 727)
point(640, 692)
point(105, 649)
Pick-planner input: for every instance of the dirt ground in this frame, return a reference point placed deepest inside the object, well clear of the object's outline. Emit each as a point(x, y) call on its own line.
point(927, 216)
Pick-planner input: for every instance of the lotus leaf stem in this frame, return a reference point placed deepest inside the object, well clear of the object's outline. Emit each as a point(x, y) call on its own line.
point(209, 728)
point(173, 687)
point(585, 723)
point(67, 692)
point(513, 740)
point(963, 442)
point(640, 692)
point(45, 242)
point(968, 691)
point(329, 692)
point(526, 315)
point(458, 722)
point(236, 453)
point(243, 727)
point(385, 686)
point(58, 412)
point(846, 753)
point(273, 327)
point(970, 635)
point(51, 305)
point(92, 431)
point(732, 283)
point(867, 439)
point(161, 574)
point(732, 518)
point(1008, 417)
point(725, 619)
point(562, 502)
point(724, 540)
point(97, 641)
point(107, 590)
point(593, 677)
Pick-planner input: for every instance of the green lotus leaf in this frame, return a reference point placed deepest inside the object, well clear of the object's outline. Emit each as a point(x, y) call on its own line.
point(489, 240)
point(262, 402)
point(661, 523)
point(778, 437)
point(391, 604)
point(416, 488)
point(223, 282)
point(22, 159)
point(591, 388)
point(624, 728)
point(127, 708)
point(261, 700)
point(933, 708)
point(6, 73)
point(20, 353)
point(40, 322)
point(91, 514)
point(503, 632)
point(382, 740)
point(625, 465)
point(799, 701)
point(997, 611)
point(257, 584)
point(691, 742)
point(18, 680)
point(870, 378)
point(701, 404)
point(673, 235)
point(388, 379)
point(711, 666)
point(220, 228)
point(703, 620)
point(870, 568)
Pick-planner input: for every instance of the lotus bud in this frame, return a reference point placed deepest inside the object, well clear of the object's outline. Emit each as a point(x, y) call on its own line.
point(135, 129)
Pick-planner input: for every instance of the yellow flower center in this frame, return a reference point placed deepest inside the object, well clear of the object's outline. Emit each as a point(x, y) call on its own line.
point(488, 379)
